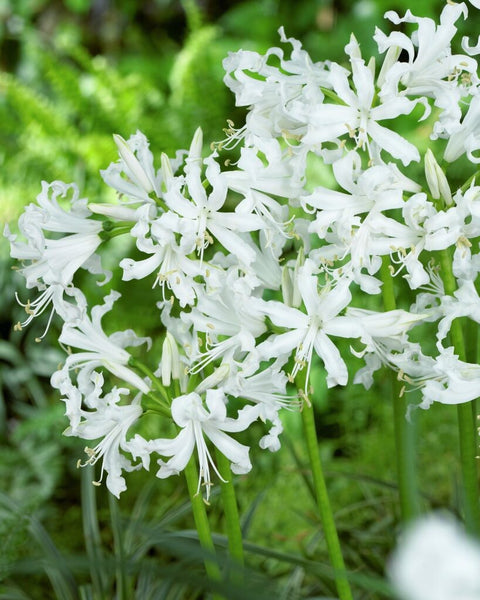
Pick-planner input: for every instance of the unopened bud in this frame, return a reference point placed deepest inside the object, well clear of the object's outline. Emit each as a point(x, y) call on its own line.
point(136, 171)
point(214, 379)
point(371, 66)
point(114, 211)
point(353, 47)
point(436, 179)
point(167, 171)
point(195, 152)
point(390, 59)
point(171, 367)
point(291, 293)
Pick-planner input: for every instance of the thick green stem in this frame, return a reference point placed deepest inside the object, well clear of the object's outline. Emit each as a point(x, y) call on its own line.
point(466, 417)
point(404, 431)
point(201, 520)
point(323, 503)
point(230, 507)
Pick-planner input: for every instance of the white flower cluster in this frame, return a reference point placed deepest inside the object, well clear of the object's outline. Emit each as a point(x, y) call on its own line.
point(253, 265)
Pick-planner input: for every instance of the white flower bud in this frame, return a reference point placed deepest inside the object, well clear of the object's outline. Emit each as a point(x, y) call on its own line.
point(171, 366)
point(195, 152)
point(114, 211)
point(290, 291)
point(214, 379)
point(436, 179)
point(390, 59)
point(167, 171)
point(371, 66)
point(133, 164)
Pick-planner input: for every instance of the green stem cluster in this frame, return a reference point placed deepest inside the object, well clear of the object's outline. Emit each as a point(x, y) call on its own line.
point(466, 416)
point(404, 430)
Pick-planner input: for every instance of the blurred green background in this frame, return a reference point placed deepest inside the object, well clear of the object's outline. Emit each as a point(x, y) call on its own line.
point(71, 74)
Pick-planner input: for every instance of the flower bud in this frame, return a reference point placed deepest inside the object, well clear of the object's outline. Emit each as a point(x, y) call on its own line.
point(137, 172)
point(114, 211)
point(195, 152)
point(171, 366)
point(436, 179)
point(291, 293)
point(214, 379)
point(390, 59)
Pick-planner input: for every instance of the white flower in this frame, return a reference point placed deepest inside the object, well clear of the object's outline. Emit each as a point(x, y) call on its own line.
point(168, 257)
point(49, 265)
point(466, 137)
point(436, 560)
point(267, 389)
point(98, 349)
point(133, 175)
point(310, 330)
point(198, 422)
point(202, 211)
point(111, 421)
point(431, 70)
point(257, 182)
point(275, 91)
point(381, 332)
point(228, 312)
point(465, 302)
point(357, 116)
point(450, 380)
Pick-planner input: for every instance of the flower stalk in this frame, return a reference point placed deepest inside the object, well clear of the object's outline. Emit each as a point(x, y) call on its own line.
point(404, 430)
point(467, 431)
point(201, 521)
point(230, 507)
point(323, 504)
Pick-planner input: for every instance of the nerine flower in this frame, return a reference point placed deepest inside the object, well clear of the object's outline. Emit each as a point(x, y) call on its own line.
point(310, 329)
point(49, 264)
point(99, 350)
point(202, 212)
point(274, 92)
point(133, 175)
point(466, 136)
point(230, 319)
point(110, 421)
point(198, 422)
point(431, 70)
point(356, 115)
point(168, 257)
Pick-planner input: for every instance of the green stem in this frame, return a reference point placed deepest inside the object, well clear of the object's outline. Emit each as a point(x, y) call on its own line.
point(123, 592)
point(106, 235)
point(323, 503)
point(155, 404)
point(469, 181)
point(230, 507)
point(404, 431)
point(149, 373)
point(91, 533)
point(201, 520)
point(466, 416)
